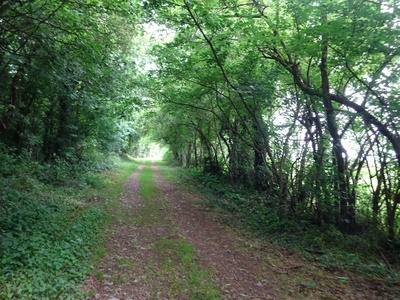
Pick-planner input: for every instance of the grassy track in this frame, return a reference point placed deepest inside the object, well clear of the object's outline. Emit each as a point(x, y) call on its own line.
point(175, 263)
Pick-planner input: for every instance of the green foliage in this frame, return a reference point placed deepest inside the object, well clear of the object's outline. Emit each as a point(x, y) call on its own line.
point(326, 245)
point(254, 210)
point(47, 232)
point(8, 159)
point(65, 78)
point(238, 88)
point(170, 171)
point(169, 157)
point(232, 88)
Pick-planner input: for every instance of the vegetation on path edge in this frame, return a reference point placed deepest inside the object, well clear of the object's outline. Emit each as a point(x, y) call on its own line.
point(50, 232)
point(58, 250)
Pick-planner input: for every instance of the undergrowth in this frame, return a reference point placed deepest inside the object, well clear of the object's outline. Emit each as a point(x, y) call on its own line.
point(326, 245)
point(49, 225)
point(172, 174)
point(179, 261)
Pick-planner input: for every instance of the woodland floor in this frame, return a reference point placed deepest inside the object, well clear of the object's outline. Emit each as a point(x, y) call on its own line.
point(171, 246)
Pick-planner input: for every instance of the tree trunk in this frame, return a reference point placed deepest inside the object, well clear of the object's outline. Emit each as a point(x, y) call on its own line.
point(259, 154)
point(346, 221)
point(189, 154)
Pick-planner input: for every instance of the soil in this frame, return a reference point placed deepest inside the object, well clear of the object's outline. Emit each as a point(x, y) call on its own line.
point(244, 267)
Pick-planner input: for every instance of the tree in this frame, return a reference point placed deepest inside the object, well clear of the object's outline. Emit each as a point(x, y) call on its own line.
point(327, 68)
point(64, 74)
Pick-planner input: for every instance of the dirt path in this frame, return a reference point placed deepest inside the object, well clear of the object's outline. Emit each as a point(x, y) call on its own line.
point(240, 274)
point(139, 265)
point(123, 249)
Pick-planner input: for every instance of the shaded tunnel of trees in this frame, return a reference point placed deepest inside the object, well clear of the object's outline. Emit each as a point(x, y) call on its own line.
point(298, 100)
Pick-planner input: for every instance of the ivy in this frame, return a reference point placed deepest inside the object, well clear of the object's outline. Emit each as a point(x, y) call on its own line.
point(45, 244)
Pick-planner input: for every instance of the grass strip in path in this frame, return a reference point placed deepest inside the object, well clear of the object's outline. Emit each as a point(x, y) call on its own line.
point(186, 278)
point(145, 257)
point(176, 273)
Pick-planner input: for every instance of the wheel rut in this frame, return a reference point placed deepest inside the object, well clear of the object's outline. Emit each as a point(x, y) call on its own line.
point(240, 273)
point(154, 223)
point(129, 268)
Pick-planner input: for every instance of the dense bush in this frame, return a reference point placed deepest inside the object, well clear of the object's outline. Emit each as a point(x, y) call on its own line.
point(47, 229)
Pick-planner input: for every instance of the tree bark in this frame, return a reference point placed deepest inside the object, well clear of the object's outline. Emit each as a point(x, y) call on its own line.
point(346, 222)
